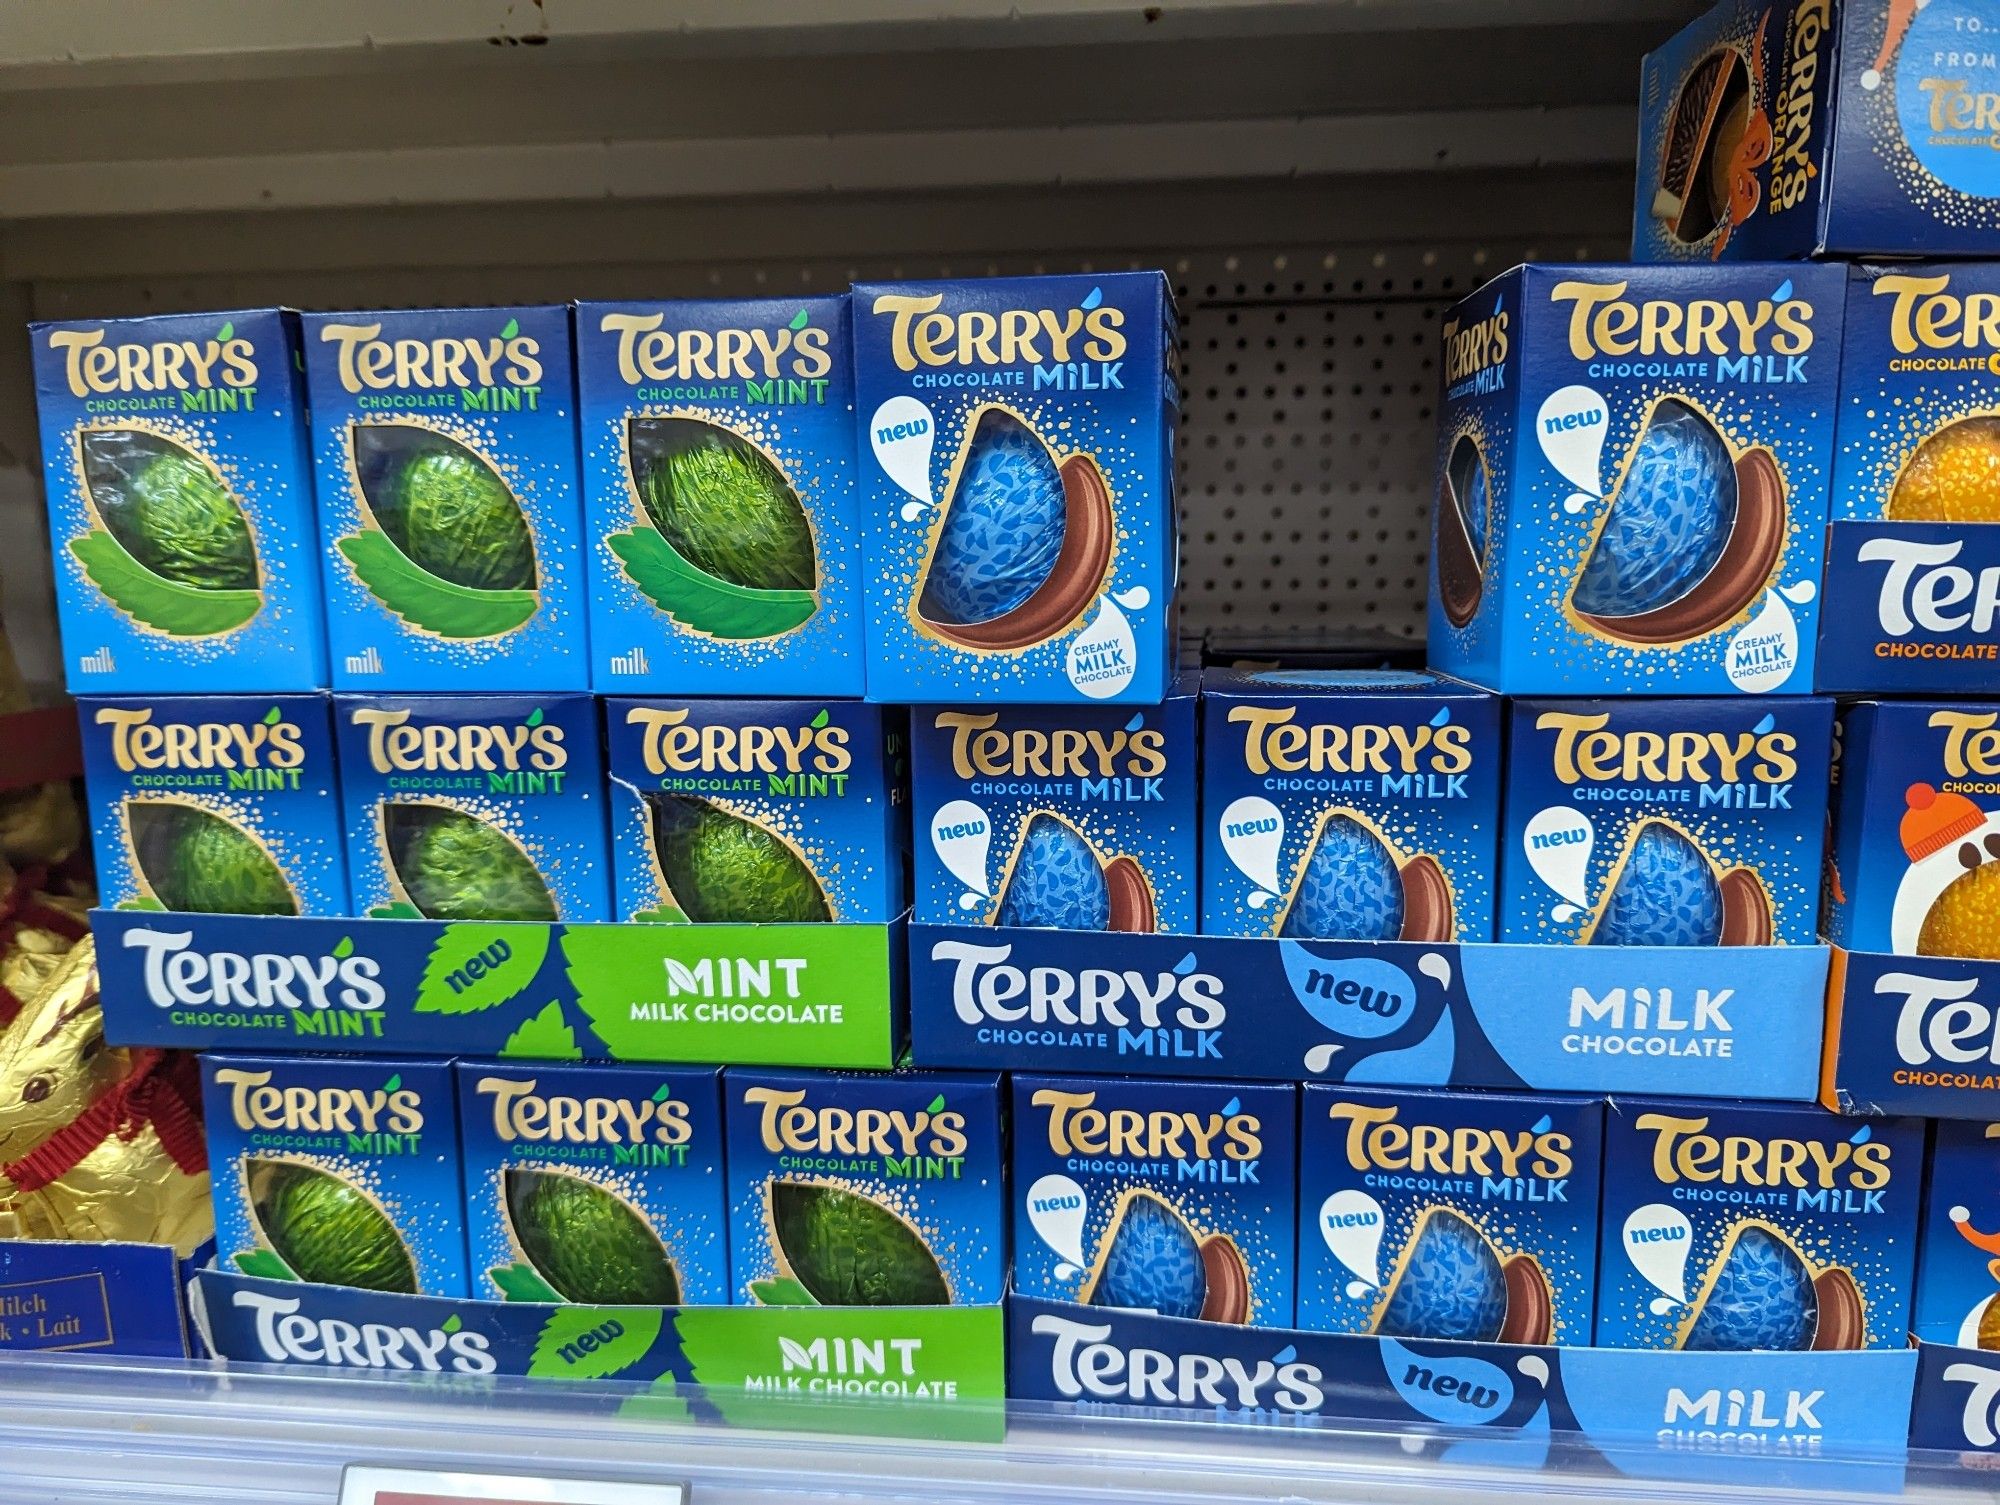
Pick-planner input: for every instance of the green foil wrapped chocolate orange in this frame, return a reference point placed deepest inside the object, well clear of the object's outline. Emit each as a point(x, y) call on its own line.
point(326, 1229)
point(195, 861)
point(847, 1249)
point(588, 1243)
point(455, 866)
point(725, 869)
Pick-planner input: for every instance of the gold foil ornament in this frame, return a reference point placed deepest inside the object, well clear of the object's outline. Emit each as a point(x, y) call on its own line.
point(96, 1144)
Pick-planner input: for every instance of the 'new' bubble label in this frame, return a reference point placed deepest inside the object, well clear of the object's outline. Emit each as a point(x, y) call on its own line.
point(902, 433)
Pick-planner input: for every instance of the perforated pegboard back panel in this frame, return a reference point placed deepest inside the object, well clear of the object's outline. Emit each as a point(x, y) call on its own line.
point(1310, 385)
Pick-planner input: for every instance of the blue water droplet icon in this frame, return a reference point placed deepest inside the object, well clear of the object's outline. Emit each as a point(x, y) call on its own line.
point(1231, 1106)
point(1185, 965)
point(1861, 1135)
point(1765, 725)
point(1443, 715)
point(1096, 297)
point(1542, 1125)
point(1138, 721)
point(1784, 292)
point(1285, 1355)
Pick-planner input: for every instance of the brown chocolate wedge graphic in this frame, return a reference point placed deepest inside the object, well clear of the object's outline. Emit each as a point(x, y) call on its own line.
point(1132, 909)
point(1427, 912)
point(1708, 120)
point(1531, 1313)
point(1842, 1323)
point(1074, 580)
point(1228, 1277)
point(1460, 571)
point(1748, 561)
point(1746, 909)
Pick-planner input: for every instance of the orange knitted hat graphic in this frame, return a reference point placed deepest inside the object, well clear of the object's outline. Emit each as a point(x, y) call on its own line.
point(1934, 821)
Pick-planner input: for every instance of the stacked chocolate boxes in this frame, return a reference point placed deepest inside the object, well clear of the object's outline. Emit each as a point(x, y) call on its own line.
point(956, 498)
point(665, 503)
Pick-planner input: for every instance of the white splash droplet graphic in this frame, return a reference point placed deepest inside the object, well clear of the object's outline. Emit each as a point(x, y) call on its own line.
point(902, 433)
point(1351, 1223)
point(962, 836)
point(1056, 1206)
point(1557, 841)
point(1765, 650)
point(1104, 656)
point(1571, 425)
point(1252, 830)
point(1657, 1238)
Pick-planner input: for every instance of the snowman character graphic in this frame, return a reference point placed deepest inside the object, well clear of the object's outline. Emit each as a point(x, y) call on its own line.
point(1948, 903)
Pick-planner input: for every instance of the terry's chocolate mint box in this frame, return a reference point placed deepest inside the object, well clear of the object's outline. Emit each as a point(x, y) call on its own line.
point(1016, 494)
point(1731, 1226)
point(1915, 862)
point(180, 500)
point(718, 458)
point(1172, 1197)
point(474, 807)
point(865, 1188)
point(337, 1170)
point(1349, 805)
point(1958, 1258)
point(1665, 822)
point(1837, 128)
point(444, 443)
point(215, 803)
point(1464, 1216)
point(1078, 817)
point(1632, 469)
point(595, 1184)
point(1913, 553)
point(756, 811)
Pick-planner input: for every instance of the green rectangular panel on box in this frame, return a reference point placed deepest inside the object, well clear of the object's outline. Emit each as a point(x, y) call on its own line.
point(771, 995)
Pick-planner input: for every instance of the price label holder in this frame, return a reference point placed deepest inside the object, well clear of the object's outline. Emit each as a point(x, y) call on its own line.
point(363, 1485)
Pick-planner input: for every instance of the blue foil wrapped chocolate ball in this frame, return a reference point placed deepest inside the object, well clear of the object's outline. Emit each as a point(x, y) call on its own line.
point(1151, 1261)
point(1350, 887)
point(1669, 522)
point(1450, 1284)
point(1666, 894)
point(1056, 881)
point(1762, 1296)
point(1003, 526)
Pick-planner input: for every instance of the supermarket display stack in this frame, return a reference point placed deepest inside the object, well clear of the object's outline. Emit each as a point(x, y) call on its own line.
point(694, 850)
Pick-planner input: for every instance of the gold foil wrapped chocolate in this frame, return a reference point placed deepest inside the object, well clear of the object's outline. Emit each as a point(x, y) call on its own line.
point(96, 1143)
point(37, 931)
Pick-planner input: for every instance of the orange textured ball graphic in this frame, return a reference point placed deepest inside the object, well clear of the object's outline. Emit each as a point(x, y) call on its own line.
point(1954, 477)
point(1965, 919)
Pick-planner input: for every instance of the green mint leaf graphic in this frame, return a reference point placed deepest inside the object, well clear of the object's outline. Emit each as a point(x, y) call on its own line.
point(273, 716)
point(937, 1104)
point(344, 948)
point(394, 1084)
point(535, 716)
point(178, 610)
point(225, 334)
point(510, 329)
point(819, 721)
point(616, 1343)
point(663, 1092)
point(509, 956)
point(799, 320)
point(544, 1037)
point(452, 1323)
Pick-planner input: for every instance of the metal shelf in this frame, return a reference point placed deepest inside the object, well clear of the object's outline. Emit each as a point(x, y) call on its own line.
point(87, 1431)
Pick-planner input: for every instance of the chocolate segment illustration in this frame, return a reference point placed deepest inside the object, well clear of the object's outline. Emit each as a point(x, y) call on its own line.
point(1691, 537)
point(1024, 544)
